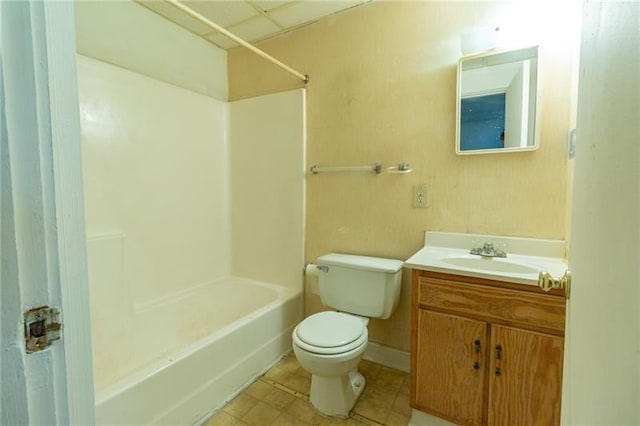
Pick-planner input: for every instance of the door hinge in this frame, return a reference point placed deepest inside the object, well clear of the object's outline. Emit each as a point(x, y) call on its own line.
point(42, 326)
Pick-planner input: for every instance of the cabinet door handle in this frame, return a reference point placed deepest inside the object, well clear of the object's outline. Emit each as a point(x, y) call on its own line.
point(476, 360)
point(498, 360)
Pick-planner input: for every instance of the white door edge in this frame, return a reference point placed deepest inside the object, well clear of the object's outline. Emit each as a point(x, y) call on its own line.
point(46, 239)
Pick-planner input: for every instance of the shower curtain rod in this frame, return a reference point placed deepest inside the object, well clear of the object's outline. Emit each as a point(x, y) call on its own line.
point(175, 3)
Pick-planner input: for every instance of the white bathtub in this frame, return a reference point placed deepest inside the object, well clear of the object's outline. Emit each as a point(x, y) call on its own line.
point(183, 356)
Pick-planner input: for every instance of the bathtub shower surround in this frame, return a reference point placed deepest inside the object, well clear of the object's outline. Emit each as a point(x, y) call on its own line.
point(222, 335)
point(189, 303)
point(155, 163)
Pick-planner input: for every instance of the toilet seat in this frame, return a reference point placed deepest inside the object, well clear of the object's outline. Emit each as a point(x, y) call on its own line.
point(330, 333)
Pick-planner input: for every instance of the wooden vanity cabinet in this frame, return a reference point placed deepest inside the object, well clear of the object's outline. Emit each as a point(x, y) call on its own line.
point(486, 352)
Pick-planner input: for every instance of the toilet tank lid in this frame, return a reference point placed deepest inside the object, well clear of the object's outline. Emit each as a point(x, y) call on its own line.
point(367, 263)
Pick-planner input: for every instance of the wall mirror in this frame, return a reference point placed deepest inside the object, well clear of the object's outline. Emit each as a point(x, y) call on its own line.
point(496, 102)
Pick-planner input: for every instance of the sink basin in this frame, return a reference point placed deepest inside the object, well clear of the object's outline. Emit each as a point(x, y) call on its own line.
point(492, 264)
point(448, 253)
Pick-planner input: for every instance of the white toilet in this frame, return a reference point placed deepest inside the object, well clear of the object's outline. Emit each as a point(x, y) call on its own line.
point(330, 344)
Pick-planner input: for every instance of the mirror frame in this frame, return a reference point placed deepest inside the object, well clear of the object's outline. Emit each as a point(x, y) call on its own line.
point(501, 57)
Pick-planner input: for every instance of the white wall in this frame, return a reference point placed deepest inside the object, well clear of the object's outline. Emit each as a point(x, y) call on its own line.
point(155, 172)
point(490, 79)
point(126, 34)
point(602, 374)
point(267, 187)
point(517, 108)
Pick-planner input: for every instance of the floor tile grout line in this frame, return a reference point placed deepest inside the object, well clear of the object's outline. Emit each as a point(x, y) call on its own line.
point(284, 388)
point(364, 419)
point(372, 371)
point(353, 414)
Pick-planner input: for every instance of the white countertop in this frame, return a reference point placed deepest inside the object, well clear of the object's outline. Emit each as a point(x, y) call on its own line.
point(516, 268)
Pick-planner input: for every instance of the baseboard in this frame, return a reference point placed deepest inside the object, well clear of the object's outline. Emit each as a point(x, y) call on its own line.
point(388, 356)
point(418, 418)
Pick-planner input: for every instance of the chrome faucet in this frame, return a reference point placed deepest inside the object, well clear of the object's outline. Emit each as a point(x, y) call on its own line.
point(488, 250)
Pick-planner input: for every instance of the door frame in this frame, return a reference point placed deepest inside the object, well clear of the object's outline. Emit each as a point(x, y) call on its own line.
point(47, 242)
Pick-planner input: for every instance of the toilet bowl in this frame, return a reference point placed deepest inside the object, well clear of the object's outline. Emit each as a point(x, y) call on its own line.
point(329, 345)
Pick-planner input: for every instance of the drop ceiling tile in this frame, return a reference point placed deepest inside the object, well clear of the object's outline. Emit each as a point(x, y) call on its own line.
point(221, 41)
point(225, 43)
point(176, 16)
point(307, 11)
point(255, 29)
point(268, 5)
point(223, 13)
point(244, 18)
point(252, 30)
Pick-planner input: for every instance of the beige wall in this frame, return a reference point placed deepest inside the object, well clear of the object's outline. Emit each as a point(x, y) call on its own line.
point(383, 84)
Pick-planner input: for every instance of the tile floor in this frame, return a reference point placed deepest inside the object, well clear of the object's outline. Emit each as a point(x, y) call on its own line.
point(281, 398)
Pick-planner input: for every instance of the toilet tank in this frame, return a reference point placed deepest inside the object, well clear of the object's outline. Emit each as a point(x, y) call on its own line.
point(361, 285)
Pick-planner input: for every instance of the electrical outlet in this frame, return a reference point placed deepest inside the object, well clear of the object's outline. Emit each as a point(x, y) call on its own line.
point(420, 200)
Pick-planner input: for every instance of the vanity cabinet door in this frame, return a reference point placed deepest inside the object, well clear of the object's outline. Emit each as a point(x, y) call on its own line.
point(450, 366)
point(525, 384)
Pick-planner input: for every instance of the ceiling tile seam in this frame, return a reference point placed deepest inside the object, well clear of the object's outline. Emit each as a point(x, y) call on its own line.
point(276, 23)
point(282, 29)
point(189, 29)
point(312, 21)
point(202, 36)
point(239, 16)
point(266, 13)
point(286, 30)
point(237, 24)
point(280, 8)
point(261, 12)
